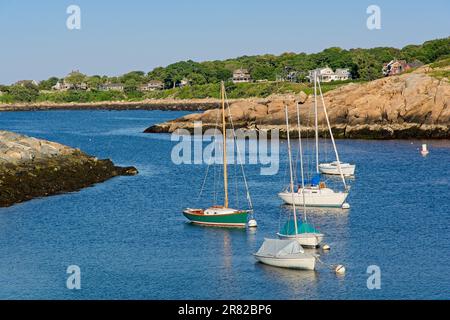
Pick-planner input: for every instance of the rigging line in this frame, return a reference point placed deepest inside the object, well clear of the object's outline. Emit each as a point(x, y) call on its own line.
point(216, 130)
point(236, 184)
point(301, 162)
point(290, 169)
point(203, 184)
point(331, 136)
point(249, 199)
point(207, 169)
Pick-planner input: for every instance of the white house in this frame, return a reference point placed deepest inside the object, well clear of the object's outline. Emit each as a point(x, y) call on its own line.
point(342, 74)
point(327, 74)
point(62, 86)
point(183, 83)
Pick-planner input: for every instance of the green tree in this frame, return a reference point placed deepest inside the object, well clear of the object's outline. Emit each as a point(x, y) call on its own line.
point(48, 84)
point(28, 93)
point(75, 78)
point(130, 86)
point(365, 66)
point(94, 82)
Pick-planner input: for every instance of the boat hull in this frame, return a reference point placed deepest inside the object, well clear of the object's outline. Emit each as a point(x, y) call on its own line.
point(319, 199)
point(310, 240)
point(234, 220)
point(302, 263)
point(347, 170)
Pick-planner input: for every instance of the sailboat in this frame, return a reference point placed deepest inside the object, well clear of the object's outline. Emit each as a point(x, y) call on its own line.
point(336, 167)
point(287, 252)
point(223, 215)
point(333, 169)
point(305, 234)
point(316, 193)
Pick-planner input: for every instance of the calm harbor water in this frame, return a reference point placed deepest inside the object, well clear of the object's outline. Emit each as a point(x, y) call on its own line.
point(131, 241)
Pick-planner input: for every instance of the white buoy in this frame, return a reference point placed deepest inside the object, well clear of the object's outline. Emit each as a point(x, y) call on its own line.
point(252, 223)
point(326, 247)
point(424, 150)
point(340, 269)
point(346, 206)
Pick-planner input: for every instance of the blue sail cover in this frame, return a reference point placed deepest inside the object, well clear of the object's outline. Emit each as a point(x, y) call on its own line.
point(315, 180)
point(289, 228)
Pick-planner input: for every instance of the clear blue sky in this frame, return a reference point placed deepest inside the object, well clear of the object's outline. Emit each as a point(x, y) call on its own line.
point(120, 36)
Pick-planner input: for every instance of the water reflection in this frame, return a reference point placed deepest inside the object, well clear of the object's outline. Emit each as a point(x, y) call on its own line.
point(316, 211)
point(300, 284)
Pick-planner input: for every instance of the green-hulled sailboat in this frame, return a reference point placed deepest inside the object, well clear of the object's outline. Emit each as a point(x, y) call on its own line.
point(223, 216)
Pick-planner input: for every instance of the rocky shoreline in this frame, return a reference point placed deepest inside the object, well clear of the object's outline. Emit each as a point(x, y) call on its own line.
point(32, 168)
point(413, 105)
point(367, 132)
point(150, 104)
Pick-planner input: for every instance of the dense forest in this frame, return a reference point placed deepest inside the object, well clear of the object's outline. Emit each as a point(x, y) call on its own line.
point(203, 77)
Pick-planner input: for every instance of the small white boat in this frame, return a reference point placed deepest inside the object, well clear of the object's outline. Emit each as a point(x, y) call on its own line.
point(424, 150)
point(285, 254)
point(333, 168)
point(315, 196)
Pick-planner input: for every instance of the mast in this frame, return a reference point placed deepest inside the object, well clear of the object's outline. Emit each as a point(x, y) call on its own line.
point(302, 174)
point(316, 123)
point(332, 137)
point(224, 133)
point(290, 169)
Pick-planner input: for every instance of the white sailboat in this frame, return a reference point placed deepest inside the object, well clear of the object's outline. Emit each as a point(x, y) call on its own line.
point(285, 254)
point(333, 169)
point(316, 193)
point(306, 234)
point(336, 167)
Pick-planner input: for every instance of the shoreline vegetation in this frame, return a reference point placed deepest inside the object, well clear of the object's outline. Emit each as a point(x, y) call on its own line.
point(415, 104)
point(188, 98)
point(32, 168)
point(270, 74)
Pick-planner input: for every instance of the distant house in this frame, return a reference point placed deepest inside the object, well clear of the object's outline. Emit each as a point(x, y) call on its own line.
point(183, 83)
point(241, 75)
point(342, 74)
point(111, 87)
point(292, 76)
point(24, 83)
point(395, 67)
point(324, 74)
point(64, 86)
point(152, 85)
point(327, 74)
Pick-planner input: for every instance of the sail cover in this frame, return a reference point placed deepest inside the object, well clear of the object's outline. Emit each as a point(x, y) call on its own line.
point(315, 180)
point(279, 248)
point(303, 227)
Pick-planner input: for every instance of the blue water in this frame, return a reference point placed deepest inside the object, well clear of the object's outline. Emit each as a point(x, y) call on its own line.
point(131, 241)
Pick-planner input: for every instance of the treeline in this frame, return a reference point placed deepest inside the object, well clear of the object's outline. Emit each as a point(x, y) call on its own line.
point(364, 64)
point(203, 77)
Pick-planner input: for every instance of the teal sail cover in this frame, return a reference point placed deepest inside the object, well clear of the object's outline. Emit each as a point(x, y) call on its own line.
point(289, 228)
